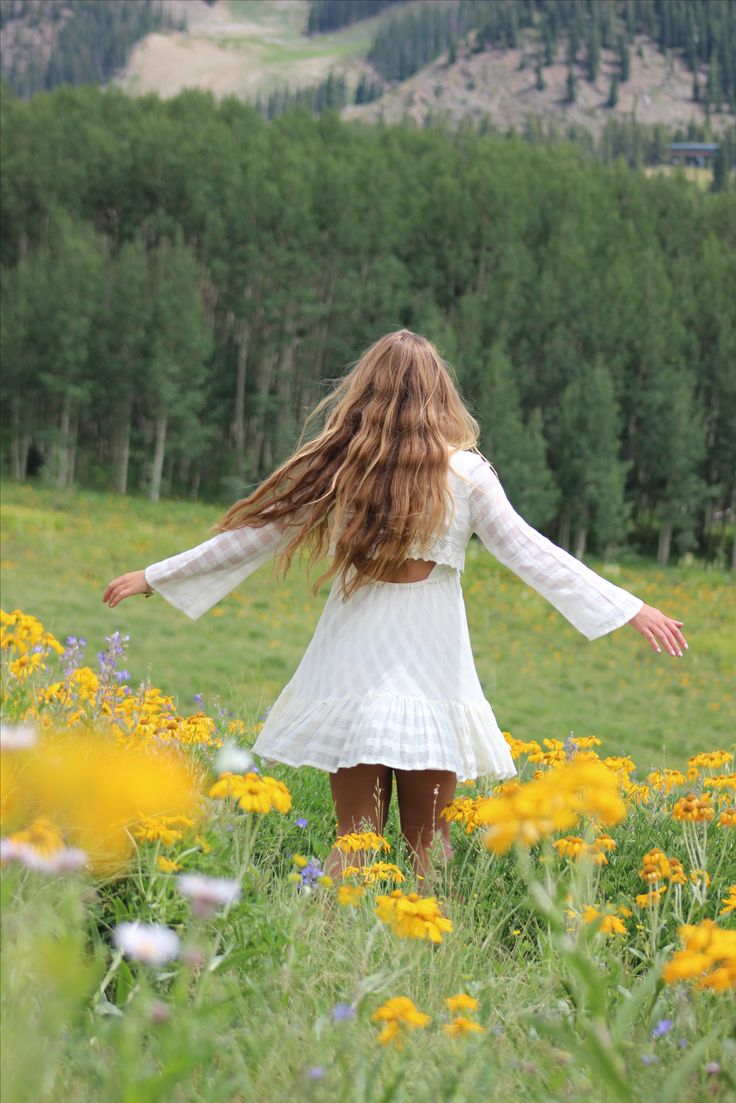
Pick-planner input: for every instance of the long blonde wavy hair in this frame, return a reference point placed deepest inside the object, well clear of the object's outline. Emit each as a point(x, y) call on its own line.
point(376, 475)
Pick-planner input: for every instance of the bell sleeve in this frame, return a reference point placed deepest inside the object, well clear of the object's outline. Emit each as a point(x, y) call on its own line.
point(592, 604)
point(195, 580)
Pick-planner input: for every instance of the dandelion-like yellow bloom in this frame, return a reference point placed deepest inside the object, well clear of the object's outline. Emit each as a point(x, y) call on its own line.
point(461, 1002)
point(253, 792)
point(349, 896)
point(21, 632)
point(575, 847)
point(361, 840)
point(666, 780)
point(553, 802)
point(461, 1027)
point(727, 818)
point(412, 916)
point(708, 957)
point(698, 875)
point(399, 1014)
point(729, 901)
point(693, 808)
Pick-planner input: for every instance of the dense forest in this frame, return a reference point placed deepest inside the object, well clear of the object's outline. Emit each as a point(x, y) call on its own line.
point(181, 280)
point(330, 15)
point(52, 42)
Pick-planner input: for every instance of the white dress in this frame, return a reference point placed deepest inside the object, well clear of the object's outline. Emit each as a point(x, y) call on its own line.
point(389, 675)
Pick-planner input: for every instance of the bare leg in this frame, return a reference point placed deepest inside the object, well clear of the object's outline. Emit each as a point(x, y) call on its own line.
point(362, 795)
point(422, 796)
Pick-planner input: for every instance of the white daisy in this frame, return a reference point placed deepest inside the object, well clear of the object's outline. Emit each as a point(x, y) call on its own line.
point(149, 942)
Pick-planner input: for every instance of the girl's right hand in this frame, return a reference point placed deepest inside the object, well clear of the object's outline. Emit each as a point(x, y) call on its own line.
point(125, 585)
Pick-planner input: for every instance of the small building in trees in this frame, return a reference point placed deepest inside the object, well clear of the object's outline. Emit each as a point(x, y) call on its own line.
point(698, 154)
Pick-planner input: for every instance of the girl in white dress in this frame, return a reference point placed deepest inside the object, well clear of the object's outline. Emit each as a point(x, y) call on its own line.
point(391, 489)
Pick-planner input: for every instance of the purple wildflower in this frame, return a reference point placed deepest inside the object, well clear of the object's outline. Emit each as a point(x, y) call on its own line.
point(315, 1073)
point(713, 1068)
point(198, 698)
point(265, 713)
point(683, 1043)
point(662, 1027)
point(301, 822)
point(649, 1059)
point(342, 1011)
point(72, 656)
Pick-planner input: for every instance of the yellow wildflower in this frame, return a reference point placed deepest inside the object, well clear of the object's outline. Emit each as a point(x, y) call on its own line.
point(694, 808)
point(666, 779)
point(649, 899)
point(164, 829)
point(460, 1026)
point(399, 1014)
point(729, 901)
point(348, 896)
point(361, 840)
point(253, 792)
point(166, 865)
point(710, 760)
point(708, 957)
point(43, 836)
point(461, 1002)
point(551, 803)
point(378, 871)
point(727, 818)
point(412, 916)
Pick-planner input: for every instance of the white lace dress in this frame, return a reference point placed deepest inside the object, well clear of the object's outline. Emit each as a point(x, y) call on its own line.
point(389, 675)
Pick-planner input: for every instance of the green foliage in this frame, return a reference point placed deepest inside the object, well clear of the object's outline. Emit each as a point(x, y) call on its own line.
point(291, 245)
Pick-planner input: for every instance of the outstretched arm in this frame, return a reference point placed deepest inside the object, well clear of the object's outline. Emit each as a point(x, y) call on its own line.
point(590, 602)
point(195, 580)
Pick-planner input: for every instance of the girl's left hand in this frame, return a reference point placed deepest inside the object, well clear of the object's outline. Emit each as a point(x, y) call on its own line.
point(134, 582)
point(654, 626)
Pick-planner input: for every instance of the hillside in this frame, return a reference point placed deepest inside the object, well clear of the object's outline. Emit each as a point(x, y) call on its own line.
point(254, 48)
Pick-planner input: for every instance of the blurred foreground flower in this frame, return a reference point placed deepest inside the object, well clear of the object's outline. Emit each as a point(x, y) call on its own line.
point(147, 942)
point(208, 893)
point(17, 738)
point(399, 1014)
point(412, 916)
point(361, 840)
point(96, 790)
point(708, 958)
point(232, 759)
point(552, 802)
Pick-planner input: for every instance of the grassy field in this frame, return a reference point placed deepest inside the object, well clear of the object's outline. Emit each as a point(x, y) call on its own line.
point(542, 677)
point(286, 991)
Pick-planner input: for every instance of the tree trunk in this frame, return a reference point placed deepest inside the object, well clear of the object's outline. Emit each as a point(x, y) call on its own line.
point(581, 536)
point(243, 342)
point(62, 449)
point(564, 536)
point(159, 452)
point(665, 542)
point(168, 479)
point(121, 455)
point(194, 490)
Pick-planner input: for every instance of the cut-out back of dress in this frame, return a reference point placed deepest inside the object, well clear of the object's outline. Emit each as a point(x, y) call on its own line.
point(411, 570)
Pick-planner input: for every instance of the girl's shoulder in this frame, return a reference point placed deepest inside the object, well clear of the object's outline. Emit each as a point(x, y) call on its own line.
point(465, 462)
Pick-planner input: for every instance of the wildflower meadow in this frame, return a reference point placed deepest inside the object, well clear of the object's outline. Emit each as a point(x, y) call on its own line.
point(169, 932)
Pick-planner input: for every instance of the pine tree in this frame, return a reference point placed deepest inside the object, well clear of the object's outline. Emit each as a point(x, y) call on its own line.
point(624, 60)
point(613, 93)
point(540, 82)
point(571, 92)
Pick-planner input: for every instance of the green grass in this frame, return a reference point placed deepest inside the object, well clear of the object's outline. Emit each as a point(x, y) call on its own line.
point(541, 676)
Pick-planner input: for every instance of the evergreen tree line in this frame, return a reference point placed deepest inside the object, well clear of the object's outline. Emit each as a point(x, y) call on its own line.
point(331, 94)
point(93, 41)
point(182, 280)
point(702, 31)
point(330, 15)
